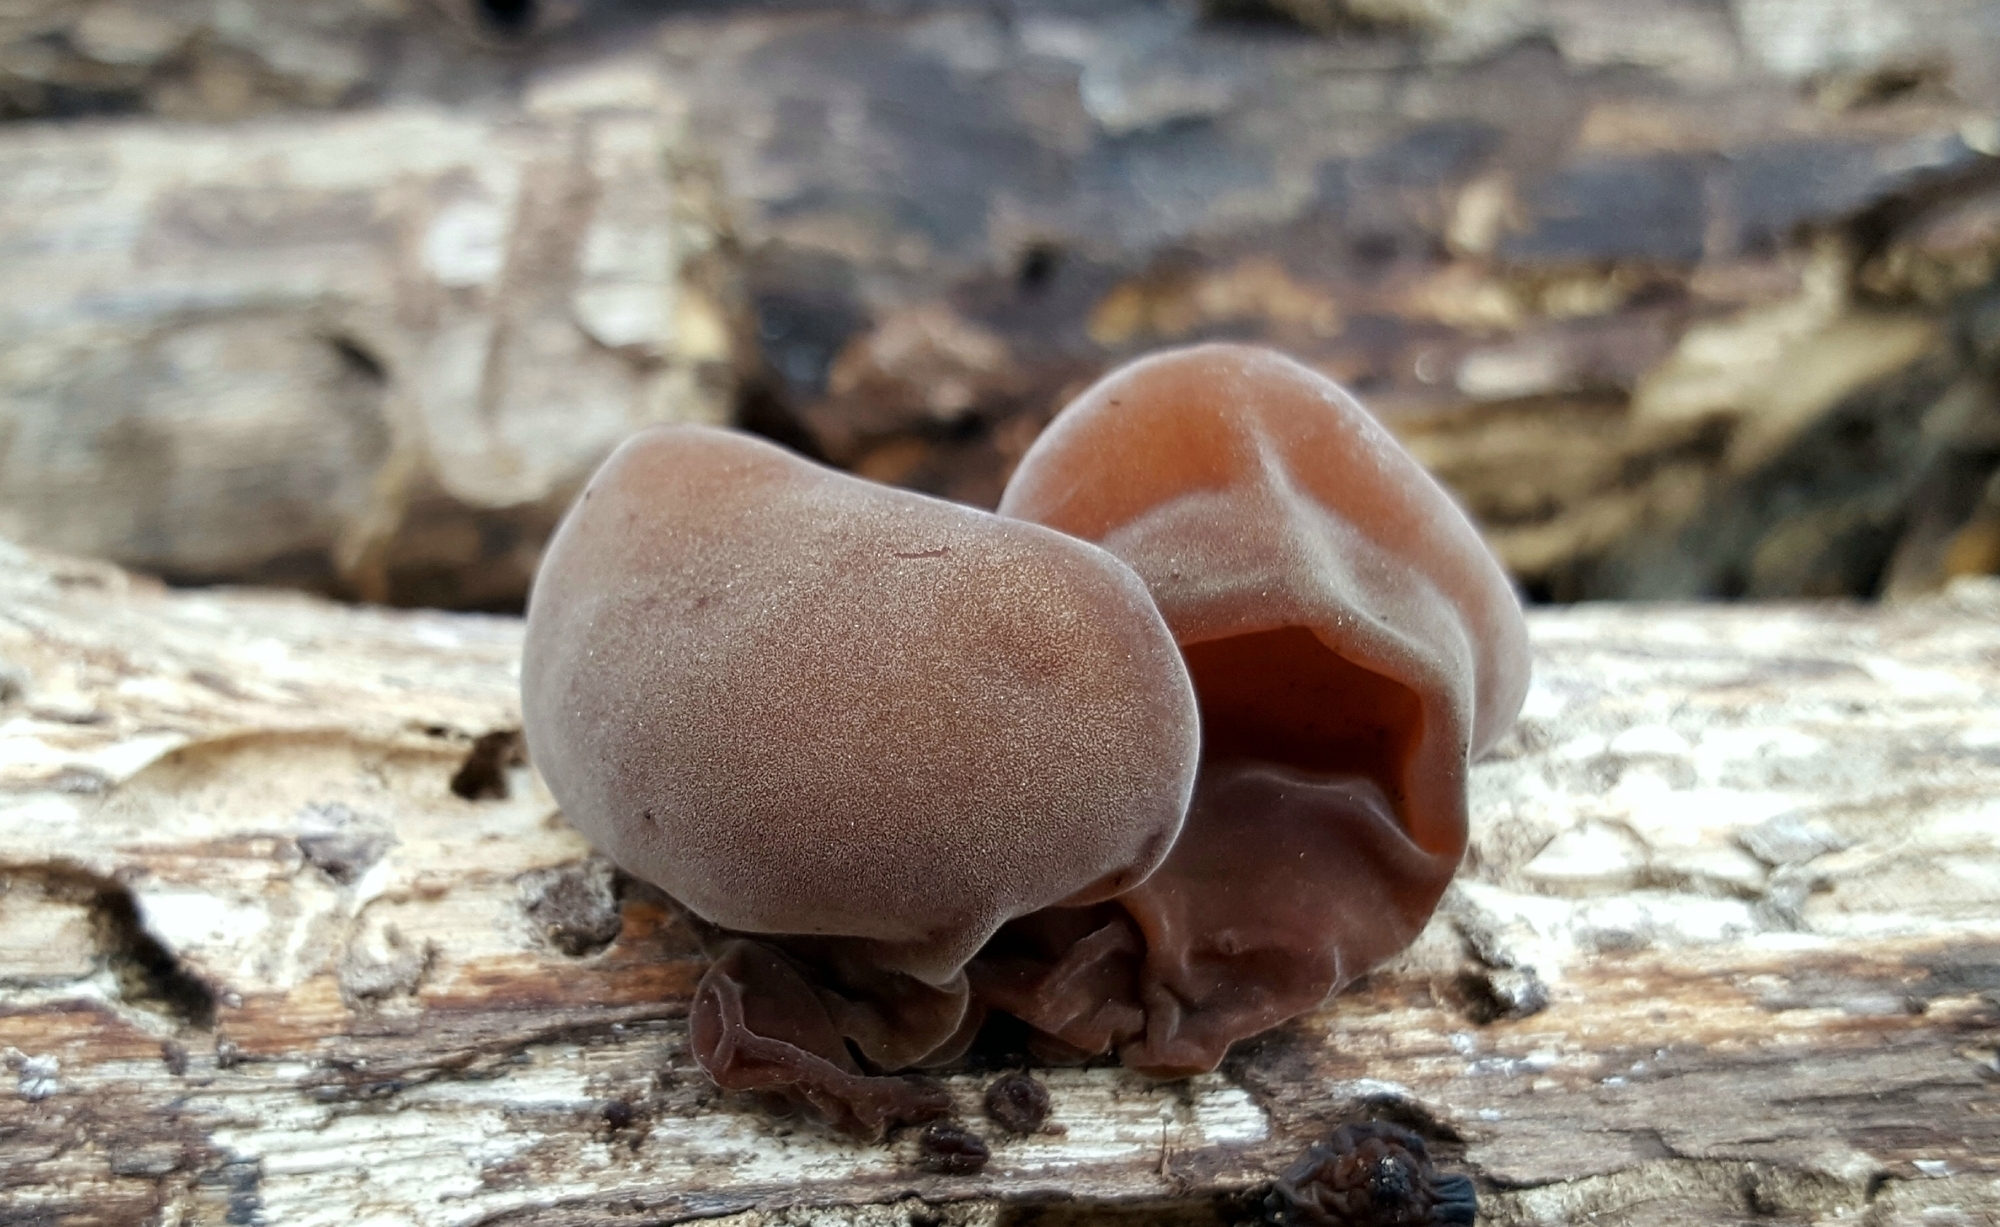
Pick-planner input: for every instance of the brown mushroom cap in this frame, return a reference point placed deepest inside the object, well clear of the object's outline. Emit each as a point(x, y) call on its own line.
point(804, 704)
point(1353, 644)
point(1274, 520)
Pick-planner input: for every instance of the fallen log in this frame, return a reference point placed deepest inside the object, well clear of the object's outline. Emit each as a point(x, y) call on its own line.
point(290, 935)
point(1682, 298)
point(372, 353)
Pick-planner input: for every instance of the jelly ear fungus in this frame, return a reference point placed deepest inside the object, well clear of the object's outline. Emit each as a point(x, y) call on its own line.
point(1353, 645)
point(904, 762)
point(852, 730)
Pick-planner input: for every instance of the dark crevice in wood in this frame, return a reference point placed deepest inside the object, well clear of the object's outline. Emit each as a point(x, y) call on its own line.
point(148, 973)
point(483, 775)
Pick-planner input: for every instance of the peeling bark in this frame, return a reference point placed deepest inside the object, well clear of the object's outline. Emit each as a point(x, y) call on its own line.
point(1727, 947)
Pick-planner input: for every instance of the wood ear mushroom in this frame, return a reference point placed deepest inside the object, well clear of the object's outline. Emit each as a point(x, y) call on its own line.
point(1155, 759)
point(1353, 646)
point(855, 728)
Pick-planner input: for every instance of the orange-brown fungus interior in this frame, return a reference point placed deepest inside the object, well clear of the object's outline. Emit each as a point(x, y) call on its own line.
point(1284, 697)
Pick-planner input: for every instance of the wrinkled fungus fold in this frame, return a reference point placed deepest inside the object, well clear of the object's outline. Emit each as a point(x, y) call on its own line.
point(1283, 885)
point(759, 1022)
point(1352, 645)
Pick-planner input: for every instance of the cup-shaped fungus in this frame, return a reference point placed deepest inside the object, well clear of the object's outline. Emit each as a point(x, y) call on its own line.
point(1353, 645)
point(873, 724)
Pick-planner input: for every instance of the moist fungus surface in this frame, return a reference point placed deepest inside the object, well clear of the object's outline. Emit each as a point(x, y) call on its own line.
point(1353, 645)
point(867, 725)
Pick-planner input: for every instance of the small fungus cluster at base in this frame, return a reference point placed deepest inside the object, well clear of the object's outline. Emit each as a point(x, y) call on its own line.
point(951, 1150)
point(1018, 1103)
point(1372, 1174)
point(1158, 756)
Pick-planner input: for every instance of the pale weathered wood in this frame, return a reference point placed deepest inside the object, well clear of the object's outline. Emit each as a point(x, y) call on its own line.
point(376, 353)
point(1732, 922)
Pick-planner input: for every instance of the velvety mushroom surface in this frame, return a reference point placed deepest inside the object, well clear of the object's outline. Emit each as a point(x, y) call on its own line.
point(1353, 645)
point(872, 724)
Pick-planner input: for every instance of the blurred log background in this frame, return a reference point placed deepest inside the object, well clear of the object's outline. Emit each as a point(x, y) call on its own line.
point(1682, 297)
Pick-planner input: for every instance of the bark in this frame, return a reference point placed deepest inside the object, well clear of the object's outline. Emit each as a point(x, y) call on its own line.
point(213, 60)
point(1638, 280)
point(373, 353)
point(1682, 297)
point(290, 935)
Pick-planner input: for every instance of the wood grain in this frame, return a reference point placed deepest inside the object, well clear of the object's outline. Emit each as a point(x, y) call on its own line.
point(1727, 949)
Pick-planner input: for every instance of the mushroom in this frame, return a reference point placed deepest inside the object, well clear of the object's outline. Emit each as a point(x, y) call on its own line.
point(851, 729)
point(1353, 645)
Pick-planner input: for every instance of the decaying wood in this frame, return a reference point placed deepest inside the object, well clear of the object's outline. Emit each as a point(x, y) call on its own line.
point(376, 353)
point(1681, 297)
point(289, 935)
point(1665, 290)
